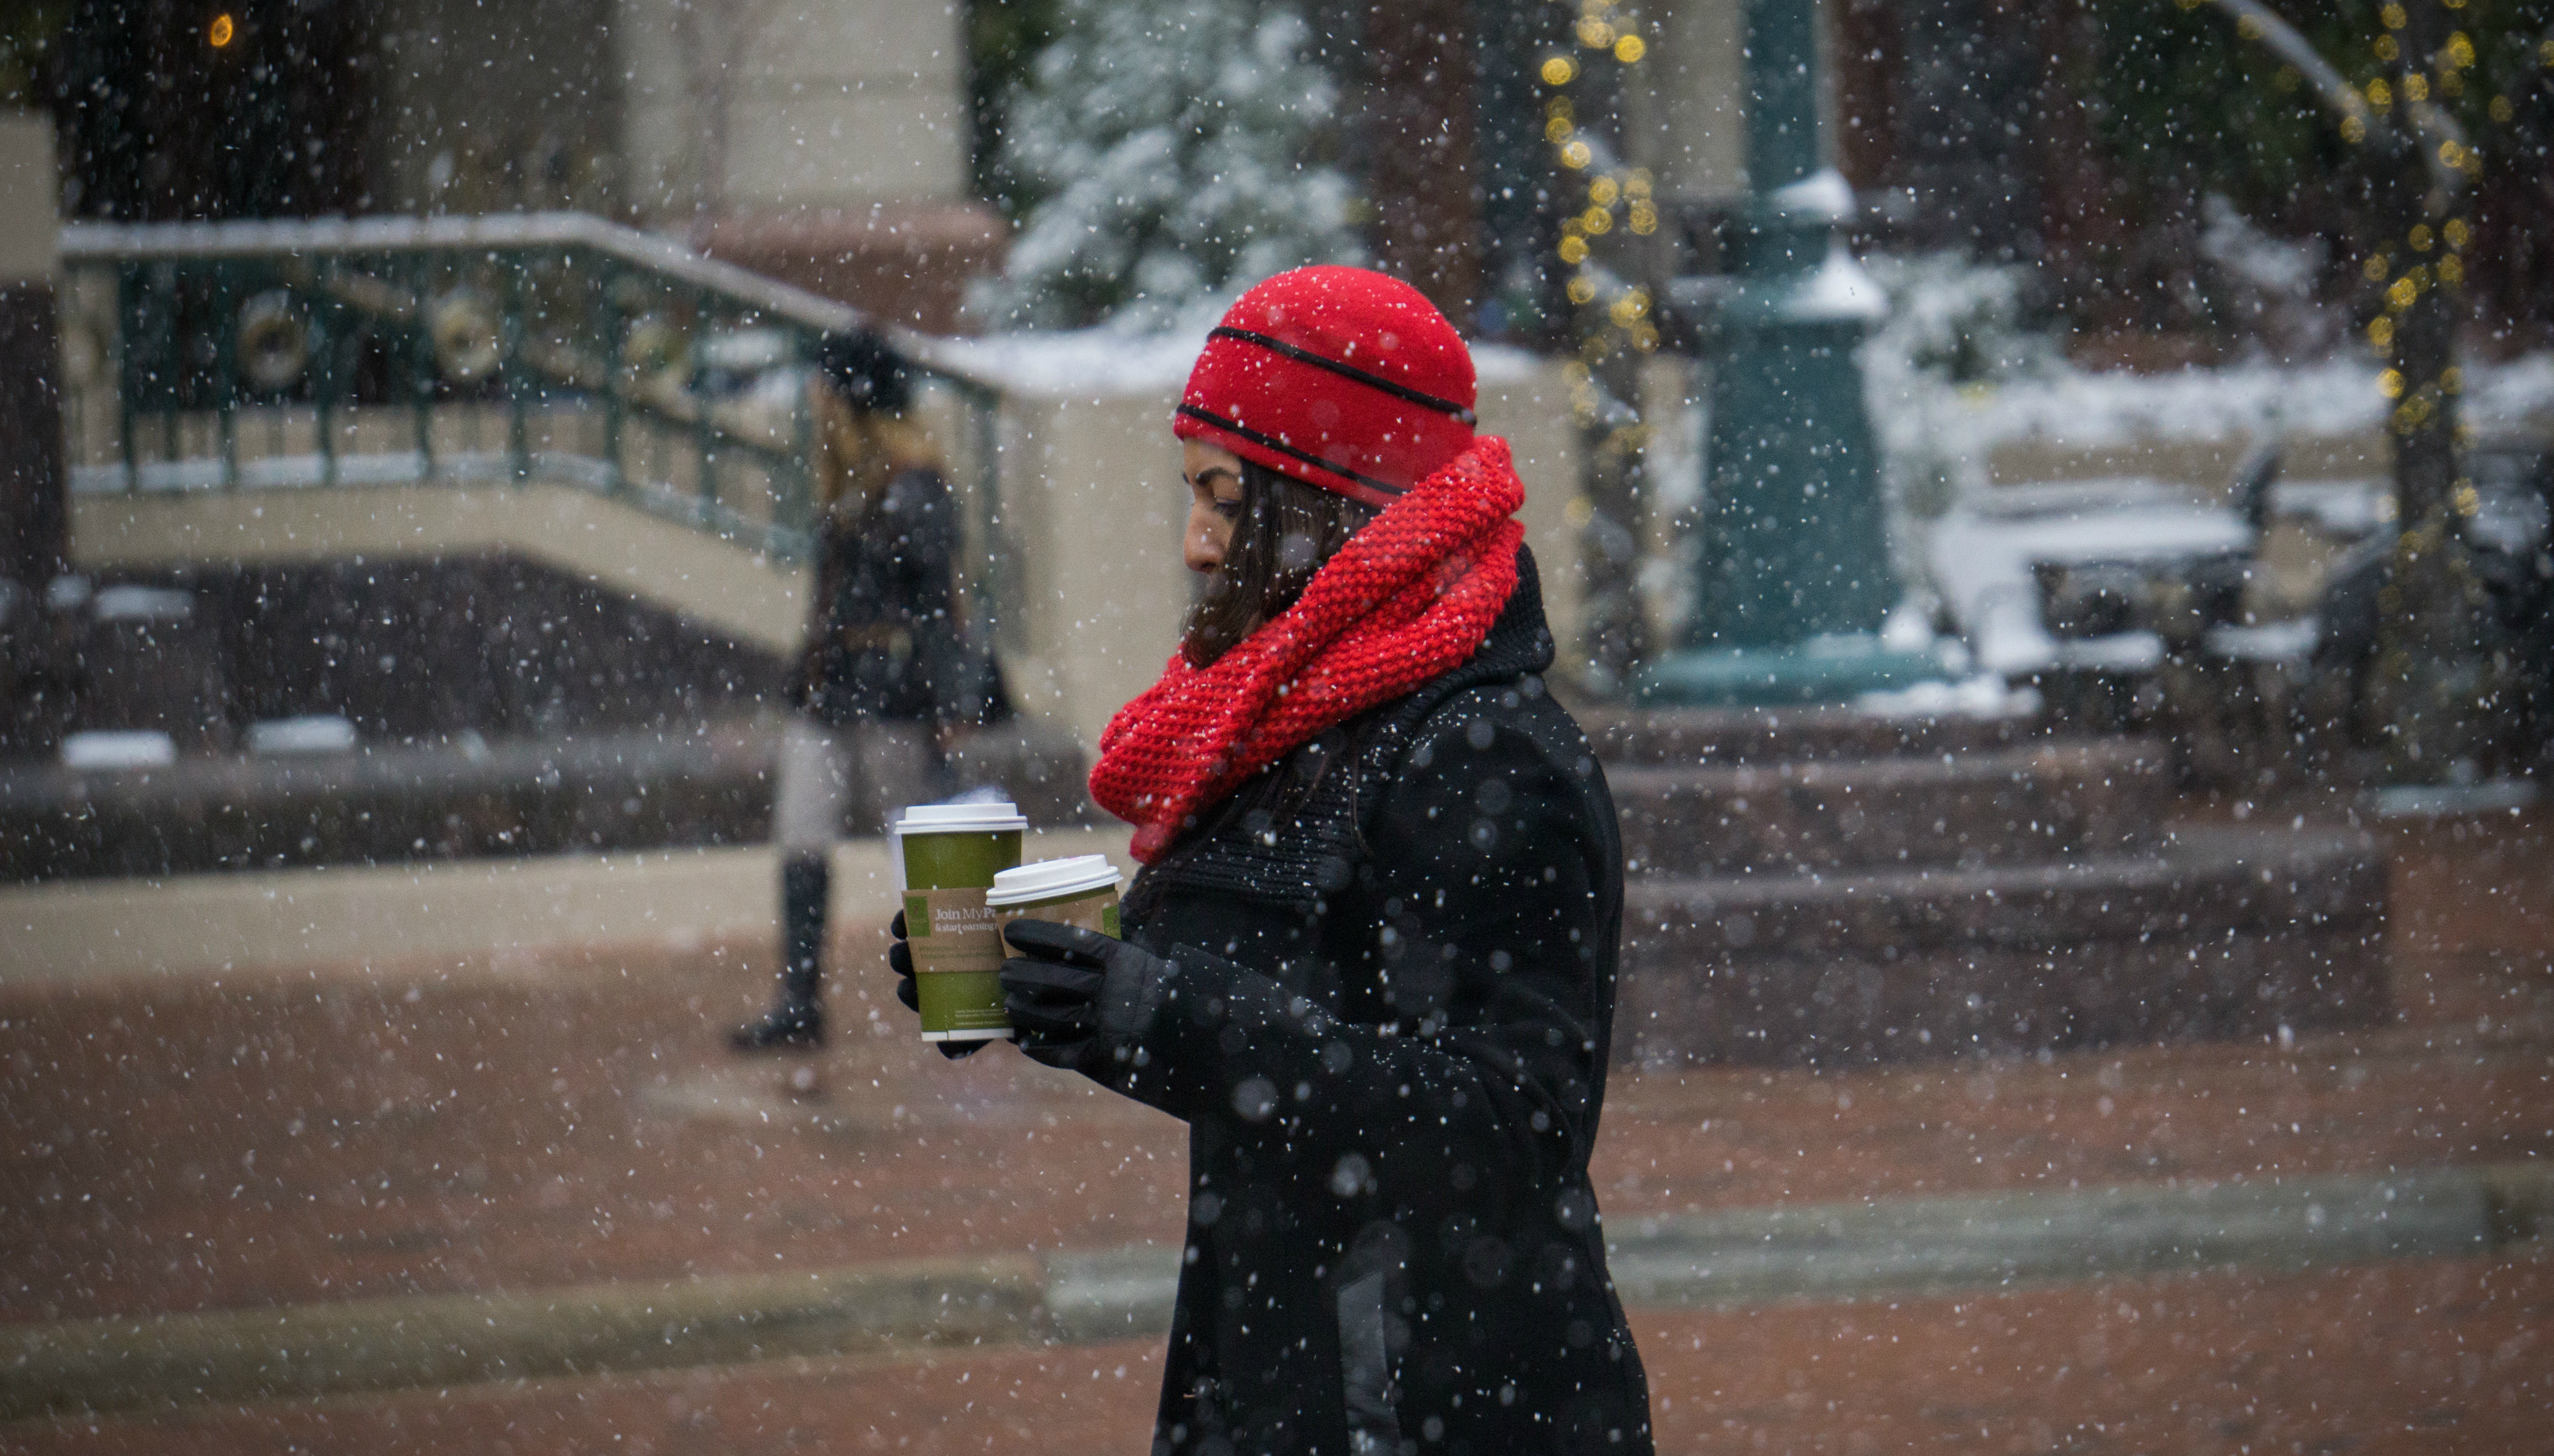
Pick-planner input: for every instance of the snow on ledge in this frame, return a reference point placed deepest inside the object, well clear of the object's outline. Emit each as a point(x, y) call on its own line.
point(1093, 362)
point(1839, 290)
point(1105, 363)
point(2336, 396)
point(1824, 193)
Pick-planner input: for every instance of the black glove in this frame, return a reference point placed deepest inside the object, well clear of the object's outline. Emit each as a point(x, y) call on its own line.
point(899, 958)
point(1079, 1000)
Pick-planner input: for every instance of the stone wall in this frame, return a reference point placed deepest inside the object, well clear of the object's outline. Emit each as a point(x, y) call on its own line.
point(834, 104)
point(494, 108)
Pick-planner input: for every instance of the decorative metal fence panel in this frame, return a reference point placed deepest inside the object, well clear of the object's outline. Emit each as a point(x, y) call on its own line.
point(550, 346)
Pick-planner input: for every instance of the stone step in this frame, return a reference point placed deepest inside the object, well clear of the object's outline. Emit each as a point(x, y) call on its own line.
point(1986, 806)
point(403, 649)
point(1698, 736)
point(387, 803)
point(471, 795)
point(2217, 933)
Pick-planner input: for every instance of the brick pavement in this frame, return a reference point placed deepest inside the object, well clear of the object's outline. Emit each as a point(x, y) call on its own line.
point(204, 1149)
point(197, 1149)
point(519, 1123)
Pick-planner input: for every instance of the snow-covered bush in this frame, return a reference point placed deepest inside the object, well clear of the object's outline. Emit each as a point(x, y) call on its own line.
point(1954, 327)
point(1168, 149)
point(2266, 284)
point(1955, 320)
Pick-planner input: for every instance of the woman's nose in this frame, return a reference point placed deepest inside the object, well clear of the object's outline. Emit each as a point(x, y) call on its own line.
point(1205, 547)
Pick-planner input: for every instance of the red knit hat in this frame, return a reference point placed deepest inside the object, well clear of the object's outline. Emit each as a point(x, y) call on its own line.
point(1340, 377)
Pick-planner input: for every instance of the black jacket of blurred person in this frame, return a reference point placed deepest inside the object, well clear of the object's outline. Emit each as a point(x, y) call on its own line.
point(887, 631)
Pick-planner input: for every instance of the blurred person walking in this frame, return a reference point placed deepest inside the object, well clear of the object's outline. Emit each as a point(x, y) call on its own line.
point(888, 674)
point(1370, 958)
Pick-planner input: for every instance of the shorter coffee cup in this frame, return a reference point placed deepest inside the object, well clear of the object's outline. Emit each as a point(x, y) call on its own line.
point(1082, 890)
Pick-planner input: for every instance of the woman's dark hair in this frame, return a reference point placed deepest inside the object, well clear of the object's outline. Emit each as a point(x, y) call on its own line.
point(1286, 531)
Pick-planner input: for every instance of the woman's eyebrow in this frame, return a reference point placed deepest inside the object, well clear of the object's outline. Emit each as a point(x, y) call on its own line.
point(1209, 473)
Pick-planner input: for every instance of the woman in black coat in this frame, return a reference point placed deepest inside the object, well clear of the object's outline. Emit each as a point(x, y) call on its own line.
point(1370, 961)
point(886, 650)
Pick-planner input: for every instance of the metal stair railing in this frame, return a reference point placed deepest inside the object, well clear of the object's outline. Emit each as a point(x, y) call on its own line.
point(513, 347)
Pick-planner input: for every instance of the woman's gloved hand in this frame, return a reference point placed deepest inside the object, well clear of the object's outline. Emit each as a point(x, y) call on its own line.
point(1079, 1000)
point(899, 958)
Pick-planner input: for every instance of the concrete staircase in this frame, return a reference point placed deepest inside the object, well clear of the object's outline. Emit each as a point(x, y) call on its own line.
point(477, 705)
point(1827, 887)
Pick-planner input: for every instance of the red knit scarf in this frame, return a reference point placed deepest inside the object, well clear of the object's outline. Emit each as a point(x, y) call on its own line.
point(1410, 597)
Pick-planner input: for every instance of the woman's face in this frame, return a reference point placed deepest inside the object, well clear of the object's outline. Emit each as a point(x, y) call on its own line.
point(1214, 474)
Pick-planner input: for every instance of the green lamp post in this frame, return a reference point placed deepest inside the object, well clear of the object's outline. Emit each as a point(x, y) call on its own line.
point(1794, 579)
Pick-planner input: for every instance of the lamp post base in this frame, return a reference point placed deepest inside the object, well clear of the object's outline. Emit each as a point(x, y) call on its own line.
point(1827, 669)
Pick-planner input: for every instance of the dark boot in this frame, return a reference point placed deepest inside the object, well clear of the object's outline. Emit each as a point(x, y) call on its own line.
point(798, 1018)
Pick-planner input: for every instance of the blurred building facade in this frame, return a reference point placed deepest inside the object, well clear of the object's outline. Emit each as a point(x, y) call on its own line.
point(837, 143)
point(849, 145)
point(827, 144)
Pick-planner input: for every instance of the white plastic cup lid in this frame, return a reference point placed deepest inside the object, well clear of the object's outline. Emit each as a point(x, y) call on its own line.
point(959, 819)
point(1048, 878)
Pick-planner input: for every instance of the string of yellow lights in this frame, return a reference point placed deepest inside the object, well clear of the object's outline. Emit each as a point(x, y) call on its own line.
point(2426, 258)
point(1614, 194)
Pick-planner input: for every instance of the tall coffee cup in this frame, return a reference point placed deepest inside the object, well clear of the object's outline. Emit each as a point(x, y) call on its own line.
point(947, 856)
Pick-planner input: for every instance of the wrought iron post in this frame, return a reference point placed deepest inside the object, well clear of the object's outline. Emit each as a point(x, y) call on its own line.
point(705, 499)
point(325, 350)
point(420, 366)
point(608, 329)
point(515, 373)
point(226, 374)
point(1796, 580)
point(129, 293)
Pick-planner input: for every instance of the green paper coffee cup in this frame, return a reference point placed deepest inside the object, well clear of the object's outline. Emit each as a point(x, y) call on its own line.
point(947, 856)
point(1082, 890)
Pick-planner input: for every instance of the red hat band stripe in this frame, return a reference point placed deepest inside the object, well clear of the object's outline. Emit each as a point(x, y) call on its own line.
point(1191, 412)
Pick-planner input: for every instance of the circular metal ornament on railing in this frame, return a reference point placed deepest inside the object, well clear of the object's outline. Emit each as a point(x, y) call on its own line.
point(274, 342)
point(545, 303)
point(468, 334)
point(655, 347)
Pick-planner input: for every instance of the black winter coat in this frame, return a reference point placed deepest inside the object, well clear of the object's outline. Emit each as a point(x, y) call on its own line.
point(886, 637)
point(1387, 1030)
